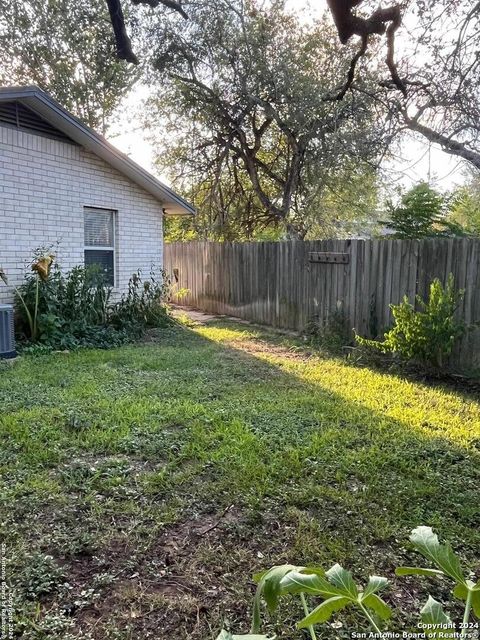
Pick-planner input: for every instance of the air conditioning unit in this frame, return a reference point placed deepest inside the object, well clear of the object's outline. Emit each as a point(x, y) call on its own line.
point(7, 335)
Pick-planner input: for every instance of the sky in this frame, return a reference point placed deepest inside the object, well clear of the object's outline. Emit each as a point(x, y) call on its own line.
point(416, 160)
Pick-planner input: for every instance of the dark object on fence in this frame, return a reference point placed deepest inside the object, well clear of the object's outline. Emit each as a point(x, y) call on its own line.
point(329, 257)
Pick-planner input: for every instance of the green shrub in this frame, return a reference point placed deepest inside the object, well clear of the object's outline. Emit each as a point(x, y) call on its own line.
point(421, 214)
point(144, 303)
point(68, 311)
point(42, 576)
point(427, 335)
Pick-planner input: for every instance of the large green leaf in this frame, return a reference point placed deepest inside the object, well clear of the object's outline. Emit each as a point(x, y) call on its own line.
point(441, 554)
point(476, 603)
point(343, 580)
point(324, 611)
point(269, 588)
point(261, 576)
point(418, 571)
point(380, 607)
point(437, 620)
point(311, 583)
point(461, 592)
point(375, 583)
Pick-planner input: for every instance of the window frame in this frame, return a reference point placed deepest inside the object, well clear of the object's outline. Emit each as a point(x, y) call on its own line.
point(112, 248)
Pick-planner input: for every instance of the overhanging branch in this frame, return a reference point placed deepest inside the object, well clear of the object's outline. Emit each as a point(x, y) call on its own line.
point(453, 147)
point(381, 21)
point(122, 39)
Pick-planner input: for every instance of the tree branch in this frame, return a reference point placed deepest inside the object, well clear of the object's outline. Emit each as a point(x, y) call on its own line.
point(122, 40)
point(171, 4)
point(453, 147)
point(381, 21)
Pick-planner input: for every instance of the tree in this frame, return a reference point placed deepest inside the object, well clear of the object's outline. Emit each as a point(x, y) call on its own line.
point(66, 48)
point(422, 212)
point(257, 85)
point(433, 87)
point(227, 206)
point(229, 211)
point(346, 207)
point(439, 98)
point(443, 100)
point(465, 207)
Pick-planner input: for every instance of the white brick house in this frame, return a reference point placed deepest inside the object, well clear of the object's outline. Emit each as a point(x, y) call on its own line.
point(62, 182)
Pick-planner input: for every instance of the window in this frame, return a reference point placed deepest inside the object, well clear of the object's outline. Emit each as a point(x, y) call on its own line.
point(99, 228)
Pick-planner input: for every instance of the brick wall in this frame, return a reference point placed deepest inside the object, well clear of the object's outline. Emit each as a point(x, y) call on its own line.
point(44, 185)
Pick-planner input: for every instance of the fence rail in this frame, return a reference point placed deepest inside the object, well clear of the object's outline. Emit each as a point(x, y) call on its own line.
point(287, 284)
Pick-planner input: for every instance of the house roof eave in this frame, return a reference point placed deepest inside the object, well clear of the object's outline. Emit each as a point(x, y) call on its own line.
point(55, 114)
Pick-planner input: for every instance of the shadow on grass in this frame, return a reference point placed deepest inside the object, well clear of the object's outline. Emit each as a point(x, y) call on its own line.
point(427, 458)
point(324, 462)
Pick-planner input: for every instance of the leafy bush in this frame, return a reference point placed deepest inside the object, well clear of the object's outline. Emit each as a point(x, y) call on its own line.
point(144, 303)
point(337, 590)
point(68, 311)
point(425, 336)
point(58, 311)
point(422, 213)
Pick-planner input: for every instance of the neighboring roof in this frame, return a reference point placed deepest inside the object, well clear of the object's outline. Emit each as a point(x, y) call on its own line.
point(50, 110)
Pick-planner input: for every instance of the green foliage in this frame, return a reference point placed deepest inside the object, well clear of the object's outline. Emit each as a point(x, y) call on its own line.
point(258, 146)
point(144, 303)
point(161, 437)
point(336, 587)
point(465, 207)
point(68, 311)
point(447, 564)
point(342, 206)
point(421, 213)
point(41, 576)
point(425, 336)
point(77, 66)
point(71, 310)
point(332, 335)
point(337, 590)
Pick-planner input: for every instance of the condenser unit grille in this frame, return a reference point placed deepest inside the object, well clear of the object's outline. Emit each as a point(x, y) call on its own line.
point(7, 335)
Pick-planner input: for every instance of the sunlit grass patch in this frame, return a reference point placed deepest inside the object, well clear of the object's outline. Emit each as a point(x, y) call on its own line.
point(113, 461)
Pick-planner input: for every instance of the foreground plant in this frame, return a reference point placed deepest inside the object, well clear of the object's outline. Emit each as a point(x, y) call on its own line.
point(41, 265)
point(337, 591)
point(335, 586)
point(448, 564)
point(226, 635)
point(56, 310)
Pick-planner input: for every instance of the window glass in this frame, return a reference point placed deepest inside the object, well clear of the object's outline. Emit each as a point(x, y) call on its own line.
point(99, 249)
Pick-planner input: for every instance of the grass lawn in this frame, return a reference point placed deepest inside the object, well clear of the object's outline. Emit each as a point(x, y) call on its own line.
point(141, 487)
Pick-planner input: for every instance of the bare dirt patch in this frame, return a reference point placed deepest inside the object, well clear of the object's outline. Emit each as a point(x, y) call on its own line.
point(175, 588)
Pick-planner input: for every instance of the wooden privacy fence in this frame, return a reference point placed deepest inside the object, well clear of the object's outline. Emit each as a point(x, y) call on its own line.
point(289, 284)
